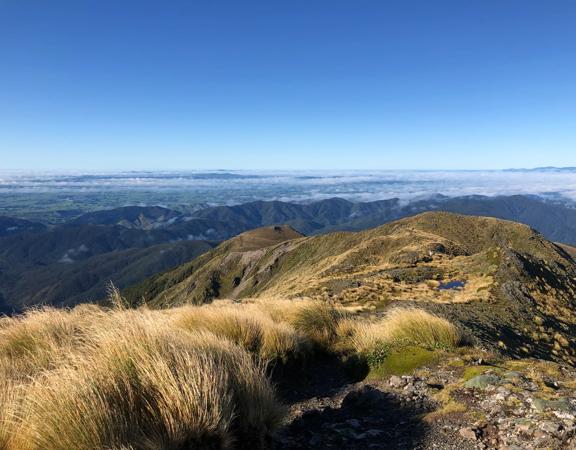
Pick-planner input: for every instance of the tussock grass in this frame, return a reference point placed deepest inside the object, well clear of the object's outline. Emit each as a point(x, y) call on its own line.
point(187, 377)
point(403, 326)
point(151, 389)
point(319, 321)
point(363, 337)
point(418, 327)
point(8, 404)
point(41, 338)
point(115, 298)
point(128, 379)
point(304, 320)
point(248, 325)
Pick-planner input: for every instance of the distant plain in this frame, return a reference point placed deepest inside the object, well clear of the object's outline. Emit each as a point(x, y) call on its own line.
point(57, 197)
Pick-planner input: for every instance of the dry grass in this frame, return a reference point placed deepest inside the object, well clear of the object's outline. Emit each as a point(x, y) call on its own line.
point(248, 325)
point(123, 379)
point(270, 327)
point(8, 404)
point(401, 326)
point(319, 321)
point(115, 298)
point(313, 321)
point(150, 389)
point(418, 327)
point(188, 377)
point(42, 338)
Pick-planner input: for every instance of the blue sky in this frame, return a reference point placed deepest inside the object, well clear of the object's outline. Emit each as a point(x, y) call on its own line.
point(119, 85)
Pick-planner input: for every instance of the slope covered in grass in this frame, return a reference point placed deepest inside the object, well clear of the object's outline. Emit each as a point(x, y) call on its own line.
point(443, 244)
point(503, 281)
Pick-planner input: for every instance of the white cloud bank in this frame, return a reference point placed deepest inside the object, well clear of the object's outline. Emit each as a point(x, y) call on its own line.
point(238, 186)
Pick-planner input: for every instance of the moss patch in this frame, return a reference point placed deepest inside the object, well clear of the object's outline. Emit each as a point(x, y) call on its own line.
point(471, 372)
point(403, 361)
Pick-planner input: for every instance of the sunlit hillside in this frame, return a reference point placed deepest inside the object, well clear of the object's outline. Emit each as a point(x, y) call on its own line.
point(502, 281)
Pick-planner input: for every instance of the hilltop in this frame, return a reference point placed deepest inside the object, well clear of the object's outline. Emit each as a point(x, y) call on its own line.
point(509, 287)
point(244, 248)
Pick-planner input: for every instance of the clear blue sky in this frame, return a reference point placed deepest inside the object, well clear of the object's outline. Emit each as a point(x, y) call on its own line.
point(115, 85)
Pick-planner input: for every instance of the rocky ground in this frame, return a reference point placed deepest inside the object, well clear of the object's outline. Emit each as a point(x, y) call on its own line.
point(457, 403)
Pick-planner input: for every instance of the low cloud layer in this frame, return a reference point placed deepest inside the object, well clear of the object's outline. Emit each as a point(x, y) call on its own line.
point(239, 186)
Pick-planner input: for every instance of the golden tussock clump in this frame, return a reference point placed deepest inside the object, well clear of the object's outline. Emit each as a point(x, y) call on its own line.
point(402, 326)
point(319, 321)
point(248, 325)
point(43, 337)
point(132, 379)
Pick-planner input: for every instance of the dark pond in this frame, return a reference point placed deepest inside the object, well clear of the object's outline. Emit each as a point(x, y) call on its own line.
point(456, 284)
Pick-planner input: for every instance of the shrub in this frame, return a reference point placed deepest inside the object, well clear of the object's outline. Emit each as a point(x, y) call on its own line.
point(377, 355)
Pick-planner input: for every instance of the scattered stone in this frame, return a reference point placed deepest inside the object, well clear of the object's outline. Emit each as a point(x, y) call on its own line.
point(550, 427)
point(483, 381)
point(468, 433)
point(540, 435)
point(435, 384)
point(374, 433)
point(395, 381)
point(496, 410)
point(409, 389)
point(524, 428)
point(502, 393)
point(553, 384)
point(512, 374)
point(541, 405)
point(315, 440)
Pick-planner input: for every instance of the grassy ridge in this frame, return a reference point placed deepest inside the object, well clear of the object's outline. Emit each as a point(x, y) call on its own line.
point(516, 291)
point(305, 266)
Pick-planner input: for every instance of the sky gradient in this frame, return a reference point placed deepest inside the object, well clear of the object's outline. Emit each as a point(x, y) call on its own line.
point(145, 85)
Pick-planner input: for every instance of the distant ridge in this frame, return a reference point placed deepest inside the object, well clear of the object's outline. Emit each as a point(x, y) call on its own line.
point(10, 226)
point(544, 169)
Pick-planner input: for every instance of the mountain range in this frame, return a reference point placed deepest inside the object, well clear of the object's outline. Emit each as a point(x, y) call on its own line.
point(65, 264)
